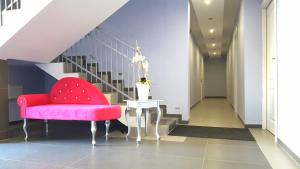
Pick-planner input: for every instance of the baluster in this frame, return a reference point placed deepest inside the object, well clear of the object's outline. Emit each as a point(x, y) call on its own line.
point(117, 68)
point(111, 64)
point(86, 68)
point(123, 86)
point(91, 68)
point(128, 77)
point(133, 81)
point(106, 68)
point(101, 66)
point(81, 64)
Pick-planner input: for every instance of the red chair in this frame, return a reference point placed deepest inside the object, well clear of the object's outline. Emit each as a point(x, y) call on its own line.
point(70, 99)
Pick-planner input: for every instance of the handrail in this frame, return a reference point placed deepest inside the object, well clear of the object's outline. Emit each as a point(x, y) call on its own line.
point(104, 44)
point(114, 37)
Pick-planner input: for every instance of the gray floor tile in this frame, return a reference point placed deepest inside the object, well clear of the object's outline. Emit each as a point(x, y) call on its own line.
point(107, 159)
point(47, 154)
point(211, 164)
point(178, 149)
point(69, 148)
point(245, 154)
point(231, 142)
point(11, 164)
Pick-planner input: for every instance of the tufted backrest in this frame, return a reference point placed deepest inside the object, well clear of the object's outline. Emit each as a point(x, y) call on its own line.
point(71, 90)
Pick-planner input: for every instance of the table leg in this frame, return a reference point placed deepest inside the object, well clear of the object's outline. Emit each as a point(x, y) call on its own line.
point(146, 121)
point(157, 122)
point(138, 118)
point(128, 123)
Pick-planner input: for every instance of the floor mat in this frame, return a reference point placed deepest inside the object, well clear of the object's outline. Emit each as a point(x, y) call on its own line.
point(213, 132)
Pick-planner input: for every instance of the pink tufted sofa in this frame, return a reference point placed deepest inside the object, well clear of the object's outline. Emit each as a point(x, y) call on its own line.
point(70, 99)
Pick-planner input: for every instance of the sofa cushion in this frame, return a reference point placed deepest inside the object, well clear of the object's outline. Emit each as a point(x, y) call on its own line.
point(71, 90)
point(74, 112)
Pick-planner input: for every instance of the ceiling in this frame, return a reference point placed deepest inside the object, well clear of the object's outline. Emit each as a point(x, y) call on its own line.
point(212, 25)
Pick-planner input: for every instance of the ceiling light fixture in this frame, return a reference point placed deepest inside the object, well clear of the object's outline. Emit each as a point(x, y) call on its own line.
point(213, 44)
point(211, 30)
point(207, 2)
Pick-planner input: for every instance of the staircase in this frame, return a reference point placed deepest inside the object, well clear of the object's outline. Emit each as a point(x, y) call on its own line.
point(105, 61)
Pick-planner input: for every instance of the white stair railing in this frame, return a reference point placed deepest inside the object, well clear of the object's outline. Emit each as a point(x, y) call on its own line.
point(105, 59)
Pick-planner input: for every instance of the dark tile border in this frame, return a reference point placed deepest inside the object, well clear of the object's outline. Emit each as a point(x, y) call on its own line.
point(253, 125)
point(215, 97)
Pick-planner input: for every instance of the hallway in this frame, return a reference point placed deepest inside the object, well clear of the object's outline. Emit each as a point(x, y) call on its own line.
point(214, 112)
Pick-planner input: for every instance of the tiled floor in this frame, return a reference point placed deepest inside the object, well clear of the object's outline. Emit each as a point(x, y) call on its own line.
point(66, 150)
point(219, 113)
point(214, 113)
point(69, 147)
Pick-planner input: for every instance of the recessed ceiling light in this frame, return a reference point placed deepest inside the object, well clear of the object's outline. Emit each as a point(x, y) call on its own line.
point(213, 44)
point(211, 30)
point(207, 2)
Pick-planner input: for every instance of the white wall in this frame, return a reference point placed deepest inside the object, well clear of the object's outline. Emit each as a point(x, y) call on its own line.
point(288, 73)
point(232, 71)
point(196, 72)
point(215, 77)
point(253, 62)
point(247, 59)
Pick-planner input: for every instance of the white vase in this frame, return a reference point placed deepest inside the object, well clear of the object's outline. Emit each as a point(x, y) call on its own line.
point(143, 91)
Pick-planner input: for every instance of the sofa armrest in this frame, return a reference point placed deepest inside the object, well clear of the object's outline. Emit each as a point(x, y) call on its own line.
point(31, 100)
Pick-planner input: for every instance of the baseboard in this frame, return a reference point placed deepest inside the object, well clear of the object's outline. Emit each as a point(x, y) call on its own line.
point(215, 97)
point(15, 122)
point(289, 151)
point(184, 121)
point(253, 125)
point(173, 115)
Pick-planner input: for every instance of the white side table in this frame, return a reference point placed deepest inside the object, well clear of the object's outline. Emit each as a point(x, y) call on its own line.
point(139, 105)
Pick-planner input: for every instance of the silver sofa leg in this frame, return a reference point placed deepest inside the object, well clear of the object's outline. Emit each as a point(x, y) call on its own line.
point(107, 125)
point(94, 130)
point(25, 129)
point(46, 125)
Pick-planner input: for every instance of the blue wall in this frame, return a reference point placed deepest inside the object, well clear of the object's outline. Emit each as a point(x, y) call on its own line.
point(162, 29)
point(27, 75)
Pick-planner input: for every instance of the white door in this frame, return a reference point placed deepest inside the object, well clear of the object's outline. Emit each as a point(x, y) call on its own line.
point(271, 68)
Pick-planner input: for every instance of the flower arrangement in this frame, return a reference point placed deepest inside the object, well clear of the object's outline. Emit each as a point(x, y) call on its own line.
point(142, 64)
point(143, 86)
